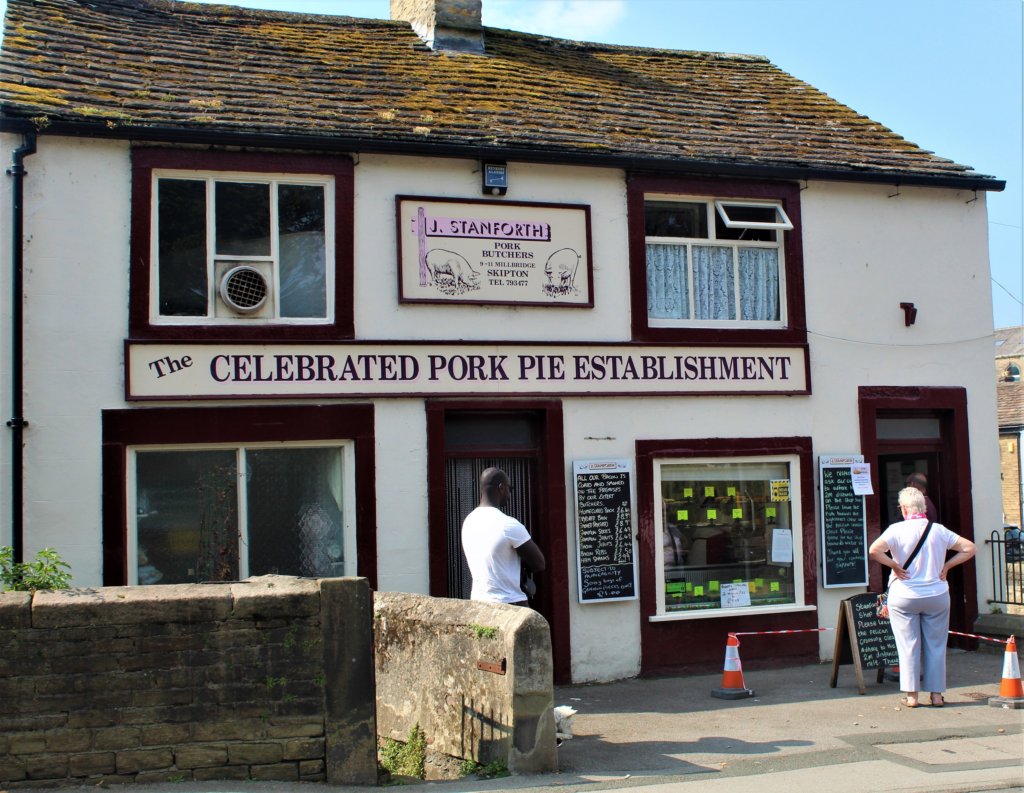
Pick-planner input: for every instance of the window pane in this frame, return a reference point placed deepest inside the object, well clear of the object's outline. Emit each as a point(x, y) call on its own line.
point(908, 428)
point(243, 219)
point(303, 256)
point(759, 283)
point(668, 290)
point(719, 525)
point(714, 293)
point(723, 232)
point(186, 516)
point(294, 508)
point(675, 219)
point(181, 247)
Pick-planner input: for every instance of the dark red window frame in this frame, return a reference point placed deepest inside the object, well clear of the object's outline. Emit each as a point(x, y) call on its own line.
point(795, 331)
point(145, 160)
point(239, 425)
point(699, 644)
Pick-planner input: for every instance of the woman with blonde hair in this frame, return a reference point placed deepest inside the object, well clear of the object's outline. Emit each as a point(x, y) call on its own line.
point(919, 593)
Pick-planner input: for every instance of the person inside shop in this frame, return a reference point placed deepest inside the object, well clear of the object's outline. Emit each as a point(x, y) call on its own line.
point(920, 481)
point(919, 593)
point(497, 545)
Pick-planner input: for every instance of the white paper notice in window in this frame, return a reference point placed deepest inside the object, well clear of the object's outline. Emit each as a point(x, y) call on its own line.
point(735, 595)
point(782, 546)
point(860, 475)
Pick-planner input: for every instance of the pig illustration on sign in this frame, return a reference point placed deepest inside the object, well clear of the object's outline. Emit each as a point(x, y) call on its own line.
point(560, 270)
point(451, 272)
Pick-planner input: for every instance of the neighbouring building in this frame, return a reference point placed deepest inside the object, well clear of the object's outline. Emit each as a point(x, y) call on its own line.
point(1010, 406)
point(282, 285)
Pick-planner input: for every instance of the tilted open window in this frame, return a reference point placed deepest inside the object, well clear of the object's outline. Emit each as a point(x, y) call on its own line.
point(714, 261)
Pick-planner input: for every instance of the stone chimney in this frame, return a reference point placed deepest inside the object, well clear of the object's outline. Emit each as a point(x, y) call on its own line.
point(443, 24)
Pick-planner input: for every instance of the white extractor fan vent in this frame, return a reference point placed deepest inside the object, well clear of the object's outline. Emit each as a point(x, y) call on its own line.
point(244, 289)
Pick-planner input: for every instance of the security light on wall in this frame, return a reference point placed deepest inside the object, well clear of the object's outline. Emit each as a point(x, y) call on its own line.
point(495, 177)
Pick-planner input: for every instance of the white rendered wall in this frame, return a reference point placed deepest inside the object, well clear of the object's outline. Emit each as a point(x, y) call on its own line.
point(403, 553)
point(864, 253)
point(75, 310)
point(377, 313)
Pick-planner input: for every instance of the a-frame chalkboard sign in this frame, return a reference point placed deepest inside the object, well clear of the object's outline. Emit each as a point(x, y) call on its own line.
point(863, 639)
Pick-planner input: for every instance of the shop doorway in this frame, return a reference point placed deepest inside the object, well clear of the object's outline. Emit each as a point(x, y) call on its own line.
point(893, 470)
point(462, 477)
point(922, 429)
point(525, 440)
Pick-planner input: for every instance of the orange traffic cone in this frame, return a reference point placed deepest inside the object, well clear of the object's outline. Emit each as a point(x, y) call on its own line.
point(732, 676)
point(1011, 692)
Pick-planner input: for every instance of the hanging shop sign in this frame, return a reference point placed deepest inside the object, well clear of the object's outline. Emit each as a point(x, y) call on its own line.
point(512, 253)
point(157, 370)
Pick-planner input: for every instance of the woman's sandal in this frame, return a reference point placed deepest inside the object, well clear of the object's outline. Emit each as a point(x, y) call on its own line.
point(938, 703)
point(908, 704)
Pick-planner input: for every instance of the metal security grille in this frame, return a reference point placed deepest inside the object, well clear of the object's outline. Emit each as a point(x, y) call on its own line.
point(462, 487)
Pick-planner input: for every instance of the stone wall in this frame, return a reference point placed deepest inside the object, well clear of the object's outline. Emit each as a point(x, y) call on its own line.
point(270, 679)
point(476, 678)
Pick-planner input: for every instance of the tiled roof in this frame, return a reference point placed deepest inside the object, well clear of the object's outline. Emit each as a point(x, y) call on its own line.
point(1009, 342)
point(132, 66)
point(1010, 404)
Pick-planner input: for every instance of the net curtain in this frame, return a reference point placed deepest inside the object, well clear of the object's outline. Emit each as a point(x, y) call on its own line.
point(714, 287)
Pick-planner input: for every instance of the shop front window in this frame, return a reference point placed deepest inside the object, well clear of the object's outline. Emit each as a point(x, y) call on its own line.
point(225, 514)
point(728, 539)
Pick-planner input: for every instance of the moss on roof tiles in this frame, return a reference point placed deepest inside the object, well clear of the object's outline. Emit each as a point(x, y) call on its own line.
point(181, 65)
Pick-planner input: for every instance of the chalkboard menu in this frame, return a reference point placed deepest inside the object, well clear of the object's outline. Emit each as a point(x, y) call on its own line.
point(863, 639)
point(606, 562)
point(844, 556)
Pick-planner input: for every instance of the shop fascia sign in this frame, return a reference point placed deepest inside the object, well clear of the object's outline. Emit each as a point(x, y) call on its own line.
point(505, 252)
point(217, 370)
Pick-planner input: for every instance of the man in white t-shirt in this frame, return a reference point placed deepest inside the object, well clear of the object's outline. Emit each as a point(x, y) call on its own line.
point(496, 544)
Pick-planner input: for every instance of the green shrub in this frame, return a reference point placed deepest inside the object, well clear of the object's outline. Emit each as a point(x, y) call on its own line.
point(46, 571)
point(483, 632)
point(405, 759)
point(492, 770)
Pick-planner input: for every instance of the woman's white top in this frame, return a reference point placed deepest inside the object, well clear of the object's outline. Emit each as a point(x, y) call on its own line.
point(924, 571)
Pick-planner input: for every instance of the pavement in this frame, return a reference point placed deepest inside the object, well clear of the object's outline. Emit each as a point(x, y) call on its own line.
point(795, 734)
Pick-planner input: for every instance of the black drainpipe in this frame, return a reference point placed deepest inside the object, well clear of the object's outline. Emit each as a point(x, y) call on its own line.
point(17, 422)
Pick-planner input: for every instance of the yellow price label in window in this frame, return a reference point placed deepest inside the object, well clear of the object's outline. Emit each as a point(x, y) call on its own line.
point(730, 491)
point(712, 514)
point(712, 586)
point(709, 492)
point(774, 586)
point(779, 489)
point(682, 514)
point(687, 492)
point(752, 586)
point(698, 591)
point(737, 513)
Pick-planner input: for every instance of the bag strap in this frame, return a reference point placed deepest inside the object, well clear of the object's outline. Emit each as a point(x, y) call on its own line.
point(913, 554)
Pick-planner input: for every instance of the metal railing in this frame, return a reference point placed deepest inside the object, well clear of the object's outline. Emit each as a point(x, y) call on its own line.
point(1007, 569)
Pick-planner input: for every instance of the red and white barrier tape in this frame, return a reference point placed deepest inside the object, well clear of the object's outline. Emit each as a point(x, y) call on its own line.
point(796, 630)
point(819, 630)
point(983, 638)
